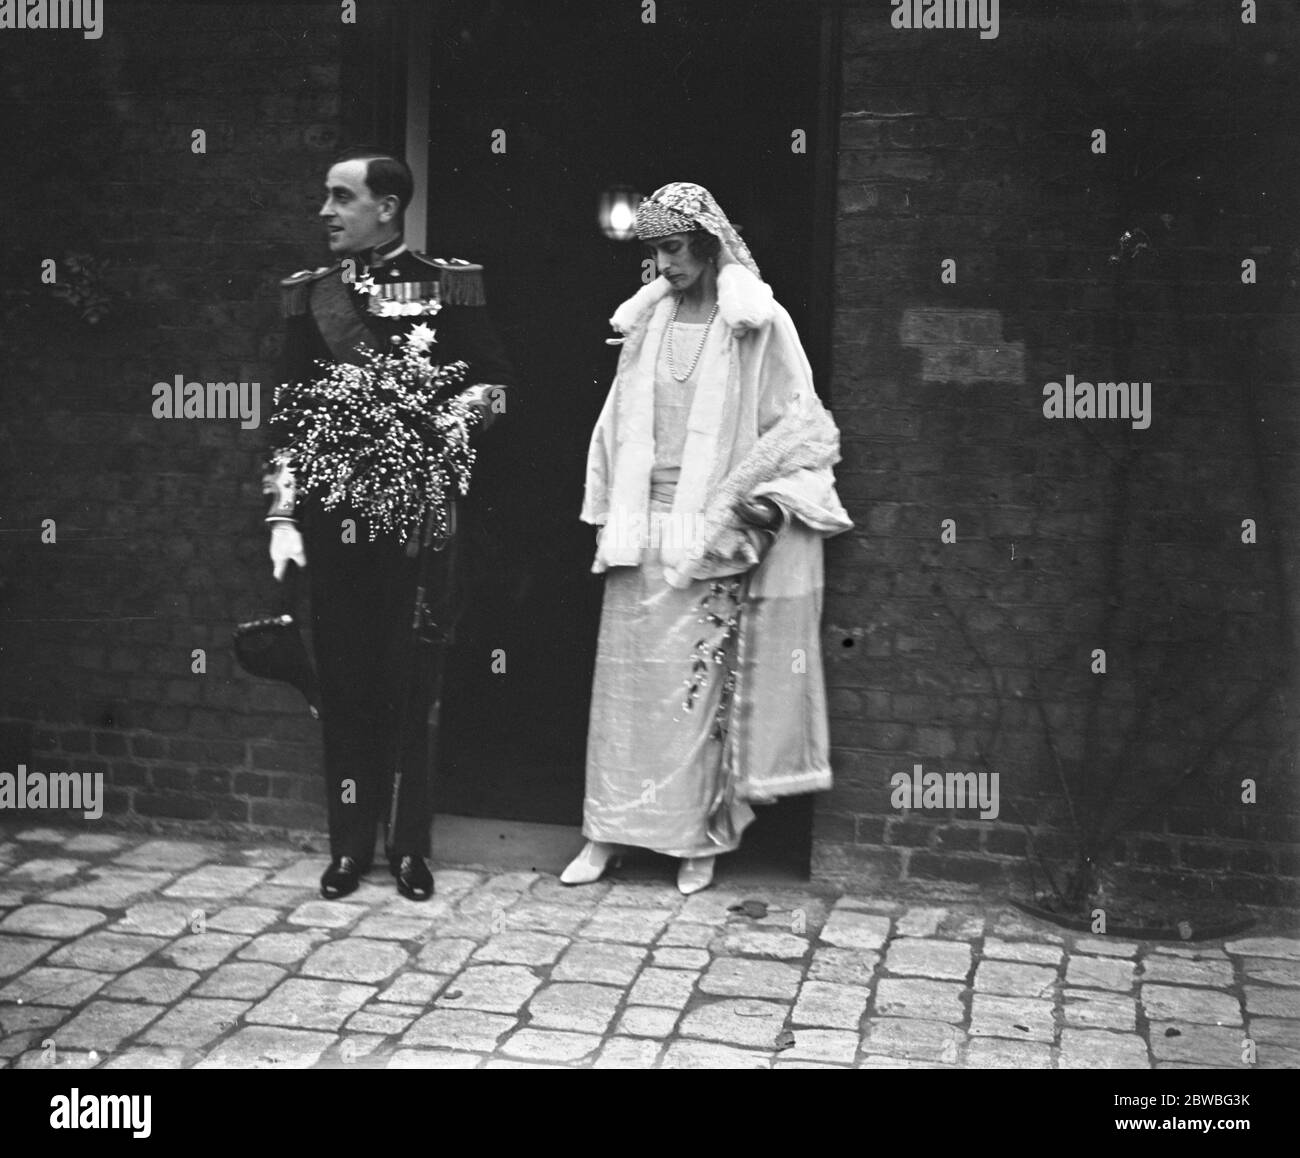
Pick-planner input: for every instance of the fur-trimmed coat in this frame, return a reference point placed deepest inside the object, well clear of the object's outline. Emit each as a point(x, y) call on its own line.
point(756, 429)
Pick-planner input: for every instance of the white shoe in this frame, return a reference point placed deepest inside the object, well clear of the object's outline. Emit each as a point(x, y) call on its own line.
point(695, 873)
point(589, 865)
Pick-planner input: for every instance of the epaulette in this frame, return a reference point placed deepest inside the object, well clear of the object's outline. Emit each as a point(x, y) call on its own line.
point(293, 290)
point(460, 282)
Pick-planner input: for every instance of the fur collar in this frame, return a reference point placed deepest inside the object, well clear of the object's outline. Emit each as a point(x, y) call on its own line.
point(744, 301)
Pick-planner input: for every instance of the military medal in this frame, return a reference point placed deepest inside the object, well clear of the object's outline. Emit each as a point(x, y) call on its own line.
point(458, 282)
point(401, 299)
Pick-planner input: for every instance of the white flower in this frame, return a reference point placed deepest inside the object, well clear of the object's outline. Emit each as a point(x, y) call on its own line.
point(420, 338)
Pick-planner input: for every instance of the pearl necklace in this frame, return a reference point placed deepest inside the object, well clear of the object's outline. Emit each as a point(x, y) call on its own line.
point(672, 361)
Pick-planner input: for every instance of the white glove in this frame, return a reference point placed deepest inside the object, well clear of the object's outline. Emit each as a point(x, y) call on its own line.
point(286, 547)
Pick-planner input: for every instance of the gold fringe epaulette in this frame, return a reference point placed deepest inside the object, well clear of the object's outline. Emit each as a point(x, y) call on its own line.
point(294, 290)
point(460, 282)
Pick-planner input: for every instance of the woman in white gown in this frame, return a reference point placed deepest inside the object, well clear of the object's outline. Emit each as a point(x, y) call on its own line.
point(709, 475)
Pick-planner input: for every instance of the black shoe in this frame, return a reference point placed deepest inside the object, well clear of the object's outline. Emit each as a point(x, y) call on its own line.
point(414, 880)
point(341, 878)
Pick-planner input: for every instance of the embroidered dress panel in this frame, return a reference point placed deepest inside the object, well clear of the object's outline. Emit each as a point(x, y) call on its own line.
point(654, 767)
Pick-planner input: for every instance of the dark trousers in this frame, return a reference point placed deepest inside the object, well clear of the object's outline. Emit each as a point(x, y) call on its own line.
point(378, 685)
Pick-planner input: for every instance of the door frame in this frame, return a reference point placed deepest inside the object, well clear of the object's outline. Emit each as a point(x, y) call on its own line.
point(408, 118)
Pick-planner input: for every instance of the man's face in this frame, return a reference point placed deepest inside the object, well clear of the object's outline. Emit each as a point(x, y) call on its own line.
point(355, 219)
point(673, 259)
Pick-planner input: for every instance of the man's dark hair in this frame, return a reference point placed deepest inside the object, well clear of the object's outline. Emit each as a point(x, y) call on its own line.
point(386, 175)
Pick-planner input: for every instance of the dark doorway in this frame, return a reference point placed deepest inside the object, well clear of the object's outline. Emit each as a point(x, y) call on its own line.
point(588, 96)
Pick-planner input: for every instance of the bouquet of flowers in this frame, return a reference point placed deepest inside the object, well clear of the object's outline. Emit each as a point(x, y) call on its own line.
point(388, 436)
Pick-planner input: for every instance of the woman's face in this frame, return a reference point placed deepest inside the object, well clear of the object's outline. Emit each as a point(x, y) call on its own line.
point(674, 260)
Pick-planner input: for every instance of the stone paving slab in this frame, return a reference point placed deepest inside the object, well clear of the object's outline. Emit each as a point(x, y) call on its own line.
point(1272, 971)
point(103, 1025)
point(413, 988)
point(742, 1022)
point(106, 952)
point(1287, 948)
point(246, 919)
point(242, 979)
point(913, 1038)
point(152, 983)
point(1030, 951)
point(920, 997)
point(761, 943)
point(1094, 1009)
point(626, 1053)
point(1177, 1003)
point(491, 988)
point(1181, 971)
point(1015, 978)
point(17, 953)
point(699, 1055)
point(522, 948)
point(739, 977)
point(51, 920)
point(112, 889)
point(606, 962)
point(1014, 1018)
point(130, 951)
point(847, 966)
point(45, 870)
point(460, 1029)
point(995, 1053)
point(1095, 1049)
point(166, 854)
point(830, 1005)
point(157, 918)
point(920, 957)
point(356, 959)
point(551, 1045)
point(266, 1047)
point(216, 881)
point(193, 1023)
point(310, 1004)
point(575, 1005)
point(51, 986)
point(837, 1047)
point(649, 1021)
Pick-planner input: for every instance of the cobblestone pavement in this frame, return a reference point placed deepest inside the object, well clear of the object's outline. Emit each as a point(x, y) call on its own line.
point(122, 951)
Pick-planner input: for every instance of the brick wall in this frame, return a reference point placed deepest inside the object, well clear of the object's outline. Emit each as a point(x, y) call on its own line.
point(1070, 535)
point(947, 655)
point(159, 548)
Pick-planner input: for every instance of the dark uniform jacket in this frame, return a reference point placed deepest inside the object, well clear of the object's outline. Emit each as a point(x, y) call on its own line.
point(464, 332)
point(382, 614)
point(328, 320)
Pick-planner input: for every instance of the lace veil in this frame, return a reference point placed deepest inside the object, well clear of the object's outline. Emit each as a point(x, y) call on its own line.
point(681, 206)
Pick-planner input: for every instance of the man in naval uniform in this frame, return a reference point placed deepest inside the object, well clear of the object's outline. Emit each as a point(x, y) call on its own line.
point(374, 700)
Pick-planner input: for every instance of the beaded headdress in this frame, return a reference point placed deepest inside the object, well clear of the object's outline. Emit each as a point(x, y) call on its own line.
point(654, 220)
point(682, 207)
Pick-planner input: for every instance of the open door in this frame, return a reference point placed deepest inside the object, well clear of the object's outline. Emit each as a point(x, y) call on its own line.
point(535, 109)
